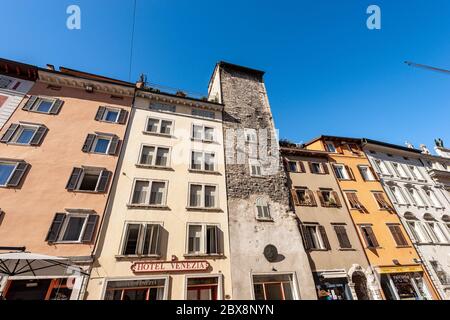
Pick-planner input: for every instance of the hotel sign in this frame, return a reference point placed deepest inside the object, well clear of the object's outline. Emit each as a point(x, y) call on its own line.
point(169, 266)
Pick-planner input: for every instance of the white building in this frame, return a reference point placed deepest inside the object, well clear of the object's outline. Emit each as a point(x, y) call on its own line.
point(16, 79)
point(421, 202)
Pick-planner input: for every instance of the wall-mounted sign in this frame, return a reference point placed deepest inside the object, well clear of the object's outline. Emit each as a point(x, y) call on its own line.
point(169, 266)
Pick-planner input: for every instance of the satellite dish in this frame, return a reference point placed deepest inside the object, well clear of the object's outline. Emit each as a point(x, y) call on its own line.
point(271, 253)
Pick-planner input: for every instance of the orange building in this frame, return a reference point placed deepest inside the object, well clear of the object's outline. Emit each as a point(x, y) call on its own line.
point(395, 264)
point(59, 151)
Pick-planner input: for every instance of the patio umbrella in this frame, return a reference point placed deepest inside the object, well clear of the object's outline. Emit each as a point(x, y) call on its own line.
point(36, 265)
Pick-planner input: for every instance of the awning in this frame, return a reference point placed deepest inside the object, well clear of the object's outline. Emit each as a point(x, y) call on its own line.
point(332, 274)
point(37, 265)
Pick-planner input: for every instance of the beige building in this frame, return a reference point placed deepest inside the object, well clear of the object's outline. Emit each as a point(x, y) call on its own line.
point(336, 256)
point(166, 231)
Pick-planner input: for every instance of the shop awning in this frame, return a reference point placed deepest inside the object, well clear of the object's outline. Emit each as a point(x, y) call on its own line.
point(28, 264)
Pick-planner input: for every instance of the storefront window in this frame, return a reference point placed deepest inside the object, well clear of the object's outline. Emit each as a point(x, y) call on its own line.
point(332, 289)
point(140, 290)
point(204, 288)
point(404, 286)
point(38, 289)
point(273, 287)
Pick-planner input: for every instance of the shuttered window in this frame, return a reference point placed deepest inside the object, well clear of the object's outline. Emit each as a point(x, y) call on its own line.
point(353, 201)
point(12, 173)
point(89, 179)
point(101, 144)
point(204, 239)
point(398, 236)
point(381, 201)
point(315, 237)
point(369, 236)
point(24, 134)
point(43, 105)
point(304, 197)
point(342, 236)
point(329, 198)
point(262, 209)
point(112, 115)
point(71, 227)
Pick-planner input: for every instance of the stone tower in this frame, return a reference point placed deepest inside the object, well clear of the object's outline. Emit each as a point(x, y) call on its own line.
point(265, 241)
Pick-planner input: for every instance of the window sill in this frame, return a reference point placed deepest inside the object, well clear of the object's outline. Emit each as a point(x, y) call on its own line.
point(307, 205)
point(265, 219)
point(204, 255)
point(86, 191)
point(347, 249)
point(138, 256)
point(166, 135)
point(67, 242)
point(110, 122)
point(202, 140)
point(149, 166)
point(204, 171)
point(19, 144)
point(319, 250)
point(147, 206)
point(203, 209)
point(403, 247)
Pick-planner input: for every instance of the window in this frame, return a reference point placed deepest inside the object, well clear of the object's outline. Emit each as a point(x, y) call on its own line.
point(415, 196)
point(202, 196)
point(369, 236)
point(250, 135)
point(399, 170)
point(292, 166)
point(398, 195)
point(262, 209)
point(382, 167)
point(255, 169)
point(398, 236)
point(204, 113)
point(88, 179)
point(141, 239)
point(304, 197)
point(202, 133)
point(330, 146)
point(11, 173)
point(204, 239)
point(342, 172)
point(444, 278)
point(342, 236)
point(366, 173)
point(315, 237)
point(204, 161)
point(353, 200)
point(416, 174)
point(202, 288)
point(101, 144)
point(43, 105)
point(112, 115)
point(436, 232)
point(24, 134)
point(131, 290)
point(72, 227)
point(5, 82)
point(381, 201)
point(159, 126)
point(149, 193)
point(273, 287)
point(318, 168)
point(329, 198)
point(163, 107)
point(435, 202)
point(154, 156)
point(417, 232)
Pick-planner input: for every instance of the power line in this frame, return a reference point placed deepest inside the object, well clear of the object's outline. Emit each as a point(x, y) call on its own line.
point(132, 41)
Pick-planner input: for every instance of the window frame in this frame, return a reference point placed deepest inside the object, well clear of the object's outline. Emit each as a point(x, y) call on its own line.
point(148, 195)
point(13, 163)
point(262, 218)
point(38, 102)
point(257, 164)
point(99, 136)
point(361, 228)
point(319, 240)
point(153, 164)
point(203, 133)
point(111, 109)
point(158, 131)
point(203, 196)
point(203, 240)
point(399, 231)
point(65, 224)
point(203, 161)
point(344, 168)
point(141, 239)
point(359, 206)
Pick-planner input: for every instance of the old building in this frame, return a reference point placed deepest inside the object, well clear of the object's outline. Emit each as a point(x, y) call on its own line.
point(395, 265)
point(420, 202)
point(268, 260)
point(166, 232)
point(336, 256)
point(59, 151)
point(16, 79)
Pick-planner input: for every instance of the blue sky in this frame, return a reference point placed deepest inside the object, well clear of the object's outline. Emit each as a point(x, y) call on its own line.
point(326, 73)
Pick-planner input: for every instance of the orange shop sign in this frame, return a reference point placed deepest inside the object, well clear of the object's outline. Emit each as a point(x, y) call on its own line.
point(169, 266)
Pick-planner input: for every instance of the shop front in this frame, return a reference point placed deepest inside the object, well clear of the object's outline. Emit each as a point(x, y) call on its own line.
point(332, 286)
point(274, 286)
point(164, 280)
point(405, 283)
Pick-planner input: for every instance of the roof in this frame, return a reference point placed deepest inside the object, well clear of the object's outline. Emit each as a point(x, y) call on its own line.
point(305, 152)
point(390, 145)
point(240, 68)
point(18, 69)
point(355, 140)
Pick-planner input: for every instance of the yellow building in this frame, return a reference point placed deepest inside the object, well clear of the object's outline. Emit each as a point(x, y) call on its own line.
point(395, 264)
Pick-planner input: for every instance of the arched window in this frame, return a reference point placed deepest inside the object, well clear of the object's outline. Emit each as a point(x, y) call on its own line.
point(262, 209)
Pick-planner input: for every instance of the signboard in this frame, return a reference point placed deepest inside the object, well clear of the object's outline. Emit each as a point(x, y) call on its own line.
point(400, 269)
point(169, 266)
